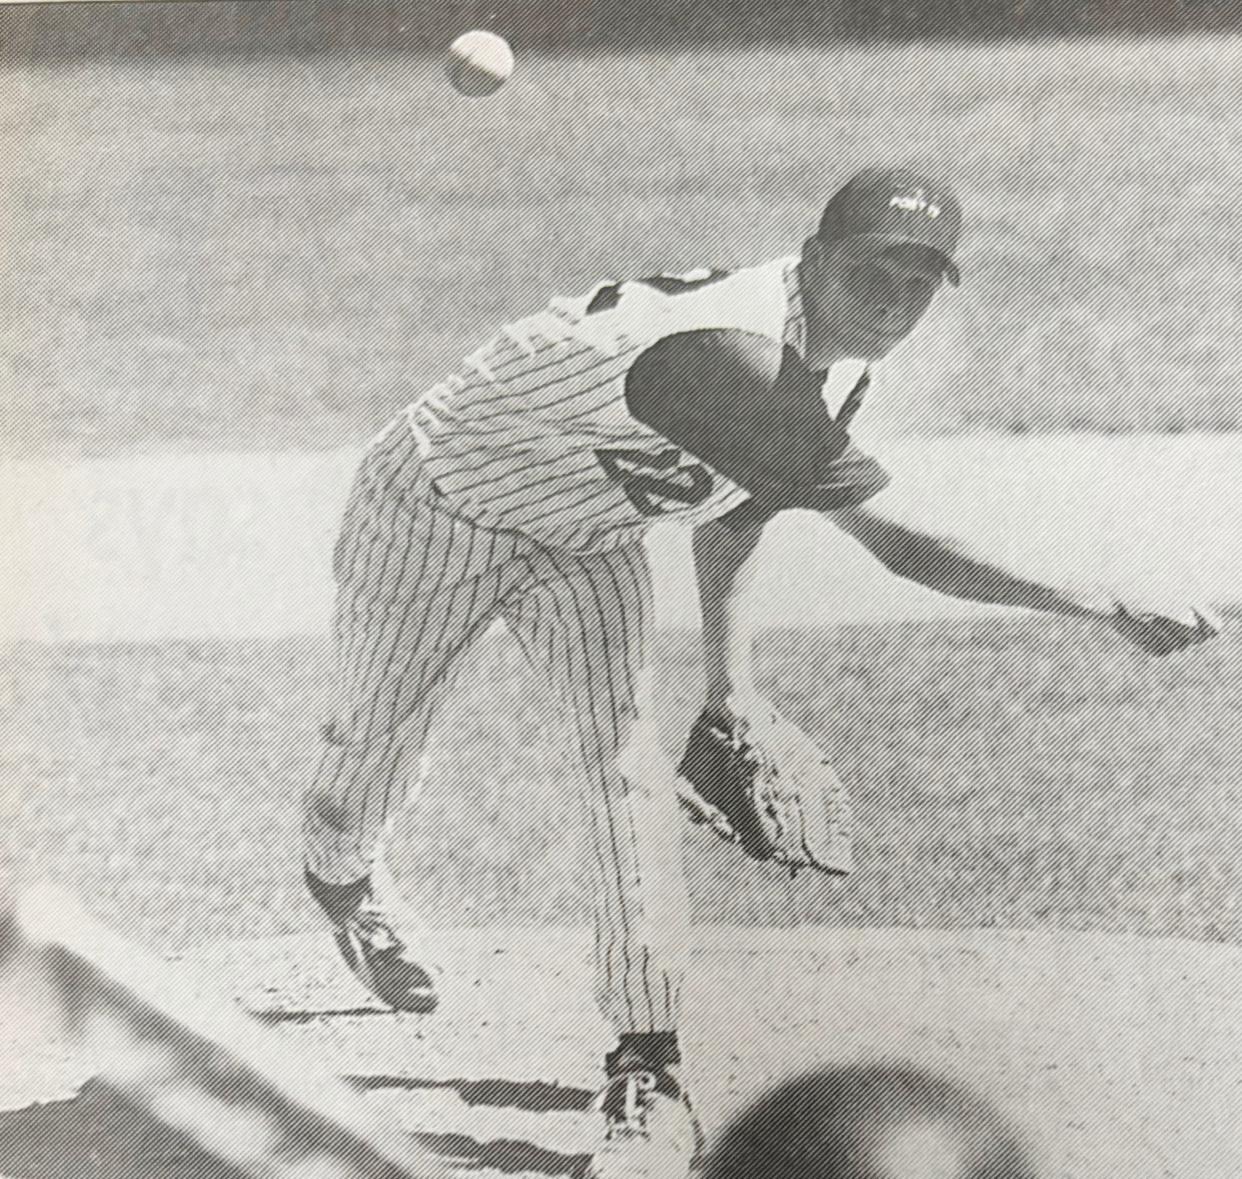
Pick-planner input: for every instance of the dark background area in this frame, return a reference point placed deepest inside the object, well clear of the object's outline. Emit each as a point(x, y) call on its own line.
point(49, 31)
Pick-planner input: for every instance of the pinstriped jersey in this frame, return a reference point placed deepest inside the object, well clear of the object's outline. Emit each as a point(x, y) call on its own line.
point(532, 433)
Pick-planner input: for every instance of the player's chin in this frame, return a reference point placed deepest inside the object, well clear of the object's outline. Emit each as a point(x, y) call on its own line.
point(876, 345)
point(872, 348)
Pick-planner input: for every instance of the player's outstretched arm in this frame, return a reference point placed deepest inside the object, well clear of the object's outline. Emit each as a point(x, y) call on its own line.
point(945, 566)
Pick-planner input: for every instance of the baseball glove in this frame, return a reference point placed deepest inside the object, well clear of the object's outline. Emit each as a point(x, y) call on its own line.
point(764, 784)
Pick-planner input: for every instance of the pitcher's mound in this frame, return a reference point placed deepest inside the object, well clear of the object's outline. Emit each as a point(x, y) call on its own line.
point(1114, 1055)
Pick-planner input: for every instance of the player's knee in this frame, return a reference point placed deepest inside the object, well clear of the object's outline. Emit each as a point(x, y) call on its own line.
point(356, 731)
point(333, 732)
point(325, 812)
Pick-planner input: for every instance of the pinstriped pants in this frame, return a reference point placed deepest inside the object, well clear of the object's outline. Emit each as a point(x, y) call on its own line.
point(415, 585)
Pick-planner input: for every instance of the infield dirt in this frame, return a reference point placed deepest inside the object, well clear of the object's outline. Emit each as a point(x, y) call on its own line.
point(1116, 1056)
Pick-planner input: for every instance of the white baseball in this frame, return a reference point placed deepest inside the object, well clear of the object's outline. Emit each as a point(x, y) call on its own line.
point(479, 63)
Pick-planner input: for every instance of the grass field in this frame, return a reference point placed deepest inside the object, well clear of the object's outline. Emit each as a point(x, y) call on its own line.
point(1005, 774)
point(277, 253)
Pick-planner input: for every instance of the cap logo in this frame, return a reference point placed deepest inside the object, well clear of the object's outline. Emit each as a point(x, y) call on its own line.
point(915, 202)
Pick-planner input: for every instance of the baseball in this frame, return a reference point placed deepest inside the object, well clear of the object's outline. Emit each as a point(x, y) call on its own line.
point(479, 63)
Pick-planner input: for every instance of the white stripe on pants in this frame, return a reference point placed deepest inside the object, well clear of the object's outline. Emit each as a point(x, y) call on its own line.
point(415, 585)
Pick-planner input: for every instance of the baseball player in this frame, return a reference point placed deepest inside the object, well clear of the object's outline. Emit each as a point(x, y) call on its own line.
point(520, 488)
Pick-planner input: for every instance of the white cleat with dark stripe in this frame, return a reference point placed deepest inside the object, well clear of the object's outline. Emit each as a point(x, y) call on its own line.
point(650, 1129)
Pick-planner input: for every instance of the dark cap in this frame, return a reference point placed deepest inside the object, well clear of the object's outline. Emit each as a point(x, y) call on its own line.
point(896, 206)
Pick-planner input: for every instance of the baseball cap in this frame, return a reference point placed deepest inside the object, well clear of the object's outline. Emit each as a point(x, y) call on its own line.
point(896, 206)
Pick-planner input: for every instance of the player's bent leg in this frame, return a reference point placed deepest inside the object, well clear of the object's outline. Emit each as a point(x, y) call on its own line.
point(415, 585)
point(360, 785)
point(340, 859)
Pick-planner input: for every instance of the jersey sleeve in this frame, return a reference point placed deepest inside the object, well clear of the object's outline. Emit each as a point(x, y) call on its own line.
point(848, 481)
point(751, 410)
point(853, 479)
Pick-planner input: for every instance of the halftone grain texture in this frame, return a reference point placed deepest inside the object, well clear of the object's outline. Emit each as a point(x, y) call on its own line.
point(178, 1058)
point(1003, 774)
point(280, 252)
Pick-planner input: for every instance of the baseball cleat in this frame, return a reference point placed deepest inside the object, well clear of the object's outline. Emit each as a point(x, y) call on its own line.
point(1163, 634)
point(650, 1129)
point(1207, 624)
point(375, 952)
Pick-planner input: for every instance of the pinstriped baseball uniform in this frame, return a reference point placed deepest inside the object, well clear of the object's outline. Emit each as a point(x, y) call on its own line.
point(520, 488)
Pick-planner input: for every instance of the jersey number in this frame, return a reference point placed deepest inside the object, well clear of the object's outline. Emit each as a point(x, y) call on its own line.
point(656, 483)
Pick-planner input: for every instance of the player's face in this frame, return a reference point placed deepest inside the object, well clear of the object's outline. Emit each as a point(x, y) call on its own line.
point(863, 299)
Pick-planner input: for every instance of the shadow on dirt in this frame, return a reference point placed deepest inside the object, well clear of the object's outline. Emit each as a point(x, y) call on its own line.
point(538, 1096)
point(275, 1017)
point(95, 1135)
point(507, 1155)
